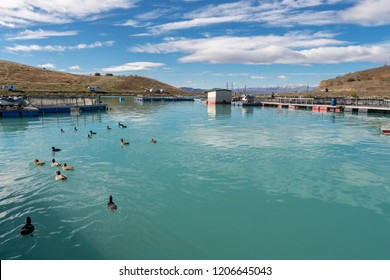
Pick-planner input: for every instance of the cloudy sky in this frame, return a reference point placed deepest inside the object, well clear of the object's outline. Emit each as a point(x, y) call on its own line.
point(199, 43)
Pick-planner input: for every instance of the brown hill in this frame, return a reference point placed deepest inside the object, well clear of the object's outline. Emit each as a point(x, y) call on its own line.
point(373, 83)
point(38, 81)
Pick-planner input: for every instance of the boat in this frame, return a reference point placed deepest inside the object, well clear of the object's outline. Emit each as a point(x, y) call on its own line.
point(245, 100)
point(200, 100)
point(13, 101)
point(248, 98)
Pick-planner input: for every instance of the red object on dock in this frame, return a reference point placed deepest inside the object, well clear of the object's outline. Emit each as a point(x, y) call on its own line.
point(323, 109)
point(385, 131)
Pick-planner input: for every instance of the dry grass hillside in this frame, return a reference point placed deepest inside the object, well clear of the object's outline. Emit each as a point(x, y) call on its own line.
point(37, 81)
point(368, 83)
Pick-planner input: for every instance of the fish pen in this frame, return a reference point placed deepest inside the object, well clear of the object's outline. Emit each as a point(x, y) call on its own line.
point(55, 104)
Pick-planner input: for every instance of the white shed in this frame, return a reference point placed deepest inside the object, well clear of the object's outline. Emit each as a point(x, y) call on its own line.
point(219, 96)
point(8, 87)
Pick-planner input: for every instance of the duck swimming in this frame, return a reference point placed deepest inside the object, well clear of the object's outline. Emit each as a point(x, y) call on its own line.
point(37, 162)
point(121, 125)
point(60, 176)
point(67, 167)
point(124, 142)
point(111, 205)
point(54, 149)
point(108, 127)
point(28, 228)
point(55, 163)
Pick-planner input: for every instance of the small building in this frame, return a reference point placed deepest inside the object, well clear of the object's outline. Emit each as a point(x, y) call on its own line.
point(93, 88)
point(219, 96)
point(8, 87)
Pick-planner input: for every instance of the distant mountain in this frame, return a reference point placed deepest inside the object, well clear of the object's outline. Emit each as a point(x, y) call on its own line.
point(31, 80)
point(277, 89)
point(193, 90)
point(371, 82)
point(262, 90)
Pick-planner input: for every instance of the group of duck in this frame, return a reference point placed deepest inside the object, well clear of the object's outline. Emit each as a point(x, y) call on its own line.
point(55, 163)
point(28, 228)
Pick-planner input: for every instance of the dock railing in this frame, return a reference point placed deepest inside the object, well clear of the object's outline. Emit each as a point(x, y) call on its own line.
point(295, 100)
point(56, 101)
point(343, 101)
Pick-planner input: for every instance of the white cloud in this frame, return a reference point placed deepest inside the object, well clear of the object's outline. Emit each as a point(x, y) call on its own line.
point(26, 12)
point(134, 66)
point(276, 13)
point(57, 48)
point(74, 67)
point(282, 77)
point(285, 13)
point(252, 43)
point(130, 22)
point(258, 77)
point(301, 3)
point(291, 48)
point(197, 22)
point(333, 55)
point(7, 24)
point(38, 34)
point(368, 12)
point(47, 65)
point(237, 74)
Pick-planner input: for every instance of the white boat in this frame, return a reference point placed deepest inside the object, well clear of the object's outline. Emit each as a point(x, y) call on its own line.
point(248, 98)
point(200, 100)
point(12, 101)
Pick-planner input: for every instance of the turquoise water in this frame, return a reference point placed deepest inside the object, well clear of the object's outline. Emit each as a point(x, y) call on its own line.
point(221, 183)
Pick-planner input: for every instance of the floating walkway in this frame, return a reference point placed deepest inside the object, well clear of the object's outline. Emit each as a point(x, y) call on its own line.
point(163, 98)
point(19, 112)
point(23, 112)
point(246, 104)
point(310, 107)
point(360, 106)
point(47, 105)
point(70, 109)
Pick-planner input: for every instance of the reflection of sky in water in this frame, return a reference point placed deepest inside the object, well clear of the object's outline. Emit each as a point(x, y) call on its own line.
point(328, 157)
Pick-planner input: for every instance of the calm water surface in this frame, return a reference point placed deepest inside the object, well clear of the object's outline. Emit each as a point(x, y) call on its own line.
point(221, 183)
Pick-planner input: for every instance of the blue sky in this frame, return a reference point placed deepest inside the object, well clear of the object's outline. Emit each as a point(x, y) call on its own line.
point(199, 43)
